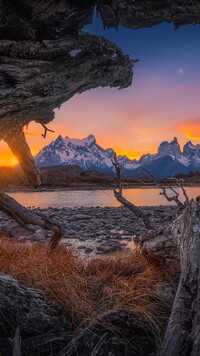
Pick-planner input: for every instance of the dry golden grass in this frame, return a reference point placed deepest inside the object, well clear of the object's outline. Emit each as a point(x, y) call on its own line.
point(86, 290)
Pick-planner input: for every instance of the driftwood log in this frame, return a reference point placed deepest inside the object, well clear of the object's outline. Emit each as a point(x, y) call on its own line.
point(183, 332)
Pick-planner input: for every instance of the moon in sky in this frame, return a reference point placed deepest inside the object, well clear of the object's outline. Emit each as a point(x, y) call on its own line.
point(181, 70)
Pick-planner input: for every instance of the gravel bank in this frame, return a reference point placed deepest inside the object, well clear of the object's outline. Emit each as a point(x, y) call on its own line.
point(91, 231)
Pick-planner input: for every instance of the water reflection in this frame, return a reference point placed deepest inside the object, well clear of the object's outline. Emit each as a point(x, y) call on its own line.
point(90, 198)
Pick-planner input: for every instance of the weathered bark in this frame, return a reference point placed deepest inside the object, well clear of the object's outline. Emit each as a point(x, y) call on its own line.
point(181, 240)
point(183, 332)
point(37, 77)
point(17, 343)
point(139, 14)
point(27, 218)
point(43, 330)
point(165, 240)
point(48, 19)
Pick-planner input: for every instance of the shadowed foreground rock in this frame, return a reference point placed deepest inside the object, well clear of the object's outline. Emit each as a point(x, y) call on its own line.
point(116, 333)
point(42, 328)
point(44, 331)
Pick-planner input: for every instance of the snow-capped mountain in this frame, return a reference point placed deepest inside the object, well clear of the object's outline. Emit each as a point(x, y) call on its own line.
point(86, 153)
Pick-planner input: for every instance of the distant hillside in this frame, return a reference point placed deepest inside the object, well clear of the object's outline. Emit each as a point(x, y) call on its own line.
point(72, 176)
point(86, 153)
point(193, 177)
point(63, 176)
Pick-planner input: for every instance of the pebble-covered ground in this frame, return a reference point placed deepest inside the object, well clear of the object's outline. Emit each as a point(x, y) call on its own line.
point(92, 231)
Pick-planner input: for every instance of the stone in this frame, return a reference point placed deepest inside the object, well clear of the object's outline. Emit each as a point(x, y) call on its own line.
point(88, 249)
point(112, 247)
point(82, 217)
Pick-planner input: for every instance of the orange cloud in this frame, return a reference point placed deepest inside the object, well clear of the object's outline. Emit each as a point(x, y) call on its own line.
point(190, 128)
point(188, 135)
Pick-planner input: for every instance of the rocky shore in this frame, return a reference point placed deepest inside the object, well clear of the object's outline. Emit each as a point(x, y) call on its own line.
point(91, 231)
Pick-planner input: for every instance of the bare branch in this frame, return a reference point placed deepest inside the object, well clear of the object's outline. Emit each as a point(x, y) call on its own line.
point(118, 195)
point(46, 130)
point(180, 184)
point(117, 166)
point(174, 198)
point(26, 217)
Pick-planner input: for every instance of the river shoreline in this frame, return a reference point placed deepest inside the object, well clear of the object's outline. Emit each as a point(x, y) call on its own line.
point(91, 232)
point(92, 187)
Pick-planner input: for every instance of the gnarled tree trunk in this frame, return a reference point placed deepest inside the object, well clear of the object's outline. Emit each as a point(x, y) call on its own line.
point(183, 332)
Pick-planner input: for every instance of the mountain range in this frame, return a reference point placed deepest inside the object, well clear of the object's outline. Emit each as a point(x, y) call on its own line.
point(86, 153)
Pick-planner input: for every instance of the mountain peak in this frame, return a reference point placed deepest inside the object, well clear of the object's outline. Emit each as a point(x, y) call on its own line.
point(175, 140)
point(170, 149)
point(77, 141)
point(59, 138)
point(90, 138)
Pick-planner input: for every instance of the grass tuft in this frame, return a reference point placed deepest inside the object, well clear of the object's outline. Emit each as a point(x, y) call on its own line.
point(85, 290)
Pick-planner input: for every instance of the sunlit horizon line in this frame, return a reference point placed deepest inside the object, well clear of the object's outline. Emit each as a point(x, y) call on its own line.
point(9, 160)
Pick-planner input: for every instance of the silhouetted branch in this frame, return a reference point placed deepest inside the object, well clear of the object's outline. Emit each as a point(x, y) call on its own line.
point(46, 130)
point(180, 184)
point(174, 198)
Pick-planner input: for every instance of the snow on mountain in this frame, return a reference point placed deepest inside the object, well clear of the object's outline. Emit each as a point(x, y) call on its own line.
point(86, 153)
point(192, 152)
point(170, 149)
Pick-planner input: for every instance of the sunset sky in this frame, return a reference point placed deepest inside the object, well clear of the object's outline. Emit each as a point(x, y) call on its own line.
point(163, 102)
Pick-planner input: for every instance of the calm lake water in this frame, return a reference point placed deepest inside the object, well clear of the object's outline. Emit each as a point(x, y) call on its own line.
point(89, 198)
